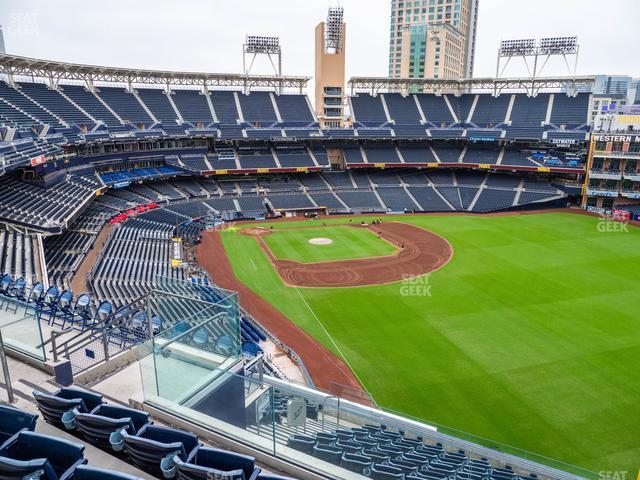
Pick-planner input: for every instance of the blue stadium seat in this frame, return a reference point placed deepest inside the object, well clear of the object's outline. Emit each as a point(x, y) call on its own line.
point(18, 289)
point(36, 293)
point(103, 425)
point(27, 452)
point(271, 476)
point(328, 453)
point(154, 448)
point(85, 472)
point(386, 472)
point(5, 284)
point(59, 408)
point(304, 443)
point(356, 463)
point(206, 463)
point(13, 421)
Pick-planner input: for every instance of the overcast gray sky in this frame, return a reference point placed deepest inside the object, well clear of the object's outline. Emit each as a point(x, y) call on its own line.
point(207, 35)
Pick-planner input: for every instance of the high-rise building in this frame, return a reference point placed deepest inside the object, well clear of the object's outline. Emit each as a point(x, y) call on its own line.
point(612, 84)
point(432, 38)
point(330, 69)
point(610, 94)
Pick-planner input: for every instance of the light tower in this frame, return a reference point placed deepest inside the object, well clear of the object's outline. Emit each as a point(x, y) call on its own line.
point(2, 48)
point(330, 68)
point(536, 54)
point(255, 45)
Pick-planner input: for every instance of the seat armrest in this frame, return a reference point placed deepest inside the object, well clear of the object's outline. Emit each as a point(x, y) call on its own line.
point(255, 474)
point(10, 441)
point(72, 469)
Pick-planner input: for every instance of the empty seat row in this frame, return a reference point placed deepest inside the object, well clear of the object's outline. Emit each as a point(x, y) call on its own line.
point(376, 452)
point(165, 452)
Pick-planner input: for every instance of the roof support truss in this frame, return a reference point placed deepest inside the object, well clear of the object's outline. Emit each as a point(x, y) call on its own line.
point(377, 85)
point(14, 66)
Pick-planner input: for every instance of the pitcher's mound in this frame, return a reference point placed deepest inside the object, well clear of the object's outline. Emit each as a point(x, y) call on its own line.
point(320, 241)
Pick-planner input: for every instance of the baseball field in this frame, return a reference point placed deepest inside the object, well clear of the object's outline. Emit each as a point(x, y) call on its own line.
point(527, 335)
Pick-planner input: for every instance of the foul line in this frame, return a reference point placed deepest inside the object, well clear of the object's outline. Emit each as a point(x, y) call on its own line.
point(334, 344)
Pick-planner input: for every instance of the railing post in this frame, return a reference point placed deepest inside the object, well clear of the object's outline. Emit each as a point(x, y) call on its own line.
point(149, 319)
point(105, 344)
point(261, 369)
point(54, 347)
point(5, 369)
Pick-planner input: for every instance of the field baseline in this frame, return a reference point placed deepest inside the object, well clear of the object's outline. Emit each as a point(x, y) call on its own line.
point(327, 371)
point(418, 252)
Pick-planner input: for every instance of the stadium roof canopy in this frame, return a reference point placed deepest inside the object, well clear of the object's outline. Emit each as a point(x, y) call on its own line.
point(497, 85)
point(53, 72)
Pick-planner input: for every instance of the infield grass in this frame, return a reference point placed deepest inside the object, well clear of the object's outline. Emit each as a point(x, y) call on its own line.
point(347, 243)
point(530, 336)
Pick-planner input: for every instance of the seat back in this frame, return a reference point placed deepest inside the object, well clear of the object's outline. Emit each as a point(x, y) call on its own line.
point(303, 443)
point(327, 453)
point(84, 472)
point(104, 310)
point(11, 469)
point(152, 444)
point(51, 296)
point(385, 472)
point(138, 418)
point(53, 407)
point(18, 288)
point(271, 476)
point(66, 299)
point(223, 460)
point(13, 421)
point(36, 293)
point(91, 399)
point(63, 455)
point(5, 283)
point(356, 463)
point(107, 420)
point(98, 430)
point(190, 471)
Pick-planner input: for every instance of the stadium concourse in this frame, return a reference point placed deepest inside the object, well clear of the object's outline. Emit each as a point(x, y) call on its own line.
point(105, 191)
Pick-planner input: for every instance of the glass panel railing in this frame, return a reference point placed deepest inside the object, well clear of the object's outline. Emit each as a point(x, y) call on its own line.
point(187, 371)
point(329, 414)
point(21, 328)
point(219, 399)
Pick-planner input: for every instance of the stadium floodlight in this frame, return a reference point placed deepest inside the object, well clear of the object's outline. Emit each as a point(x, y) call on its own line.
point(511, 48)
point(261, 44)
point(558, 45)
point(333, 29)
point(255, 45)
point(536, 55)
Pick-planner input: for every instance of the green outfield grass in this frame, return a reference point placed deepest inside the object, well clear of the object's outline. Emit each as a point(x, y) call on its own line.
point(530, 336)
point(348, 243)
